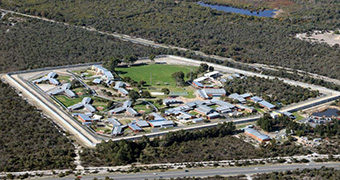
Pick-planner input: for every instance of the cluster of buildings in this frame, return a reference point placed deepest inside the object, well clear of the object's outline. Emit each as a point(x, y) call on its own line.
point(50, 78)
point(209, 86)
point(211, 109)
point(256, 135)
point(85, 103)
point(64, 89)
point(87, 118)
point(126, 107)
point(154, 120)
point(109, 79)
point(263, 103)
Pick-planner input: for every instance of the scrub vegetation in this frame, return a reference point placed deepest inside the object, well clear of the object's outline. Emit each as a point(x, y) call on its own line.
point(186, 24)
point(29, 141)
point(185, 146)
point(272, 90)
point(322, 173)
point(31, 44)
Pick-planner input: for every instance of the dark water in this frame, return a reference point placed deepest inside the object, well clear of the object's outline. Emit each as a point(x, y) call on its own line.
point(328, 113)
point(265, 13)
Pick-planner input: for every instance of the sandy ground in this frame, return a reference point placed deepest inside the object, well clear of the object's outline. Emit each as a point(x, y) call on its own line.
point(328, 37)
point(46, 87)
point(277, 13)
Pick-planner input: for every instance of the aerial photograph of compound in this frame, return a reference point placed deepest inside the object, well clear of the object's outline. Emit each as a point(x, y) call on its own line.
point(182, 90)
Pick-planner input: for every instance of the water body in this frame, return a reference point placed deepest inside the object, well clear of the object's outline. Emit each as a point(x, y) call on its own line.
point(265, 13)
point(328, 113)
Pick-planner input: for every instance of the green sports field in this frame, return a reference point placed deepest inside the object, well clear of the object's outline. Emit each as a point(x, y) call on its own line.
point(158, 74)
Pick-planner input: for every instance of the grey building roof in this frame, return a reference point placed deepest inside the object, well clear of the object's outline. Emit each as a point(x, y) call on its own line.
point(97, 81)
point(199, 84)
point(213, 115)
point(142, 123)
point(57, 91)
point(286, 113)
point(157, 117)
point(123, 91)
point(134, 127)
point(75, 106)
point(117, 130)
point(127, 104)
point(215, 92)
point(245, 95)
point(90, 108)
point(51, 75)
point(161, 123)
point(256, 99)
point(222, 103)
point(213, 74)
point(84, 117)
point(70, 93)
point(237, 97)
point(223, 109)
point(132, 111)
point(86, 100)
point(204, 109)
point(185, 115)
point(223, 80)
point(114, 121)
point(208, 102)
point(241, 106)
point(196, 120)
point(66, 86)
point(53, 81)
point(191, 104)
point(256, 133)
point(267, 104)
point(108, 74)
point(202, 94)
point(119, 84)
point(171, 101)
point(117, 110)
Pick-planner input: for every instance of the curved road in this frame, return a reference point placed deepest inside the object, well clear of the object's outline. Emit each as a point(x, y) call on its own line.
point(208, 172)
point(146, 42)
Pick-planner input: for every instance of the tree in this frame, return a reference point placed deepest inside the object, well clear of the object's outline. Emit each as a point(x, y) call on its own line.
point(134, 95)
point(112, 64)
point(152, 57)
point(191, 75)
point(178, 77)
point(165, 91)
point(211, 68)
point(146, 94)
point(142, 83)
point(203, 68)
point(130, 59)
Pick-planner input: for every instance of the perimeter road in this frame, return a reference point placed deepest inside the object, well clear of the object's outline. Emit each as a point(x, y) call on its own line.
point(209, 172)
point(81, 132)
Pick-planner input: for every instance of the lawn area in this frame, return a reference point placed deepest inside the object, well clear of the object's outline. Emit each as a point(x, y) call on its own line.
point(298, 116)
point(69, 101)
point(64, 78)
point(158, 73)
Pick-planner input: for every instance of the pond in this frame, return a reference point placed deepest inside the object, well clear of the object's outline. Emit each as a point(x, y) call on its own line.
point(265, 13)
point(327, 113)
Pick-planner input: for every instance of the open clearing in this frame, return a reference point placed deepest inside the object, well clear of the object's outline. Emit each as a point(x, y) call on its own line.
point(158, 73)
point(327, 37)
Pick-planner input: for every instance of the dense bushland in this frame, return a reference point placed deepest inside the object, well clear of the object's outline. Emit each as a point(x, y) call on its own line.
point(29, 141)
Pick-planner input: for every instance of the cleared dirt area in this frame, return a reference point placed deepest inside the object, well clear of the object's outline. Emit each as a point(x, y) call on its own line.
point(321, 37)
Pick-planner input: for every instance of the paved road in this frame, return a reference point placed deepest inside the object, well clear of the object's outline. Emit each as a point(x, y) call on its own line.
point(209, 172)
point(179, 60)
point(58, 115)
point(146, 42)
